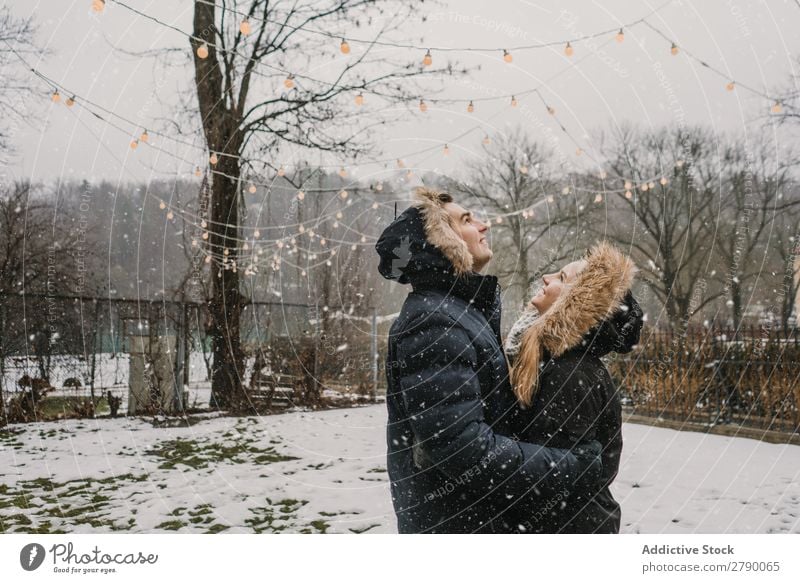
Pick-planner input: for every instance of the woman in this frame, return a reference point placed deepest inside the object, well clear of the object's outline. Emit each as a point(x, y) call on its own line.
point(564, 391)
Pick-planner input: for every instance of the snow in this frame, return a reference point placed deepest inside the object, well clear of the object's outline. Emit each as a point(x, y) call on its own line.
point(324, 471)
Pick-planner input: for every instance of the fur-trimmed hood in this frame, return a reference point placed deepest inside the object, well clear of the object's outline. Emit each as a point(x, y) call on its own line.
point(587, 315)
point(422, 239)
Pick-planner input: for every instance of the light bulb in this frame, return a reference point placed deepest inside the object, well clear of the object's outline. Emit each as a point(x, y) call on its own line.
point(252, 189)
point(776, 107)
point(620, 36)
point(568, 50)
point(400, 163)
point(730, 86)
point(342, 172)
point(213, 159)
point(360, 99)
point(301, 195)
point(598, 198)
point(513, 101)
point(203, 223)
point(281, 171)
point(565, 190)
point(470, 107)
point(144, 137)
point(162, 205)
point(339, 214)
point(423, 107)
point(446, 150)
point(374, 205)
point(289, 81)
point(663, 181)
point(427, 60)
point(98, 5)
point(208, 258)
point(134, 143)
point(344, 47)
point(486, 140)
point(673, 49)
point(244, 27)
point(379, 186)
point(507, 56)
point(197, 171)
point(70, 101)
point(551, 110)
point(256, 233)
point(170, 215)
point(56, 96)
point(202, 51)
point(578, 151)
point(628, 194)
point(343, 195)
point(523, 169)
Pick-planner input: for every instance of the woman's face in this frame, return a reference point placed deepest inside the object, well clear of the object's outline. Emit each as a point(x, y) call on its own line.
point(555, 283)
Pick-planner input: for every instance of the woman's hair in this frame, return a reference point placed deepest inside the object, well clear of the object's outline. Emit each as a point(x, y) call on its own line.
point(595, 295)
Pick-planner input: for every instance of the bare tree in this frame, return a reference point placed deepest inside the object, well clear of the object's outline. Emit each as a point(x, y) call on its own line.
point(237, 67)
point(517, 178)
point(666, 228)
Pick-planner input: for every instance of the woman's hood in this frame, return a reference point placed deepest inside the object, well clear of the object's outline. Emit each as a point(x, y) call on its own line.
point(597, 311)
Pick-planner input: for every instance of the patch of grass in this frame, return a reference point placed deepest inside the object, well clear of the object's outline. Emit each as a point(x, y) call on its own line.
point(320, 525)
point(362, 530)
point(215, 528)
point(195, 455)
point(172, 525)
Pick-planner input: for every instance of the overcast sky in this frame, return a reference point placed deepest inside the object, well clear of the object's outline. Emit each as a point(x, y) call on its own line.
point(638, 80)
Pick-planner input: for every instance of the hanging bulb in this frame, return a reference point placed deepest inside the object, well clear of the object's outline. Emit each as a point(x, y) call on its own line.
point(301, 195)
point(565, 190)
point(134, 143)
point(162, 205)
point(208, 258)
point(776, 107)
point(578, 151)
point(644, 187)
point(70, 101)
point(98, 5)
point(213, 159)
point(202, 51)
point(289, 81)
point(598, 198)
point(628, 185)
point(423, 107)
point(56, 96)
point(446, 150)
point(551, 110)
point(486, 140)
point(427, 60)
point(628, 194)
point(170, 215)
point(568, 50)
point(620, 36)
point(663, 181)
point(409, 174)
point(673, 49)
point(507, 56)
point(197, 171)
point(281, 171)
point(252, 188)
point(256, 233)
point(730, 86)
point(344, 47)
point(603, 175)
point(523, 169)
point(244, 27)
point(513, 101)
point(374, 205)
point(343, 194)
point(400, 163)
point(144, 137)
point(360, 99)
point(339, 214)
point(470, 107)
point(342, 172)
point(203, 223)
point(550, 198)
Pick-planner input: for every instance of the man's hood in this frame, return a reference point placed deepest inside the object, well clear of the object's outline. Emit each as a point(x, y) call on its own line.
point(422, 239)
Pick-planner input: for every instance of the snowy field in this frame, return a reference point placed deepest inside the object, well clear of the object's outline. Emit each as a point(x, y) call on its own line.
point(325, 472)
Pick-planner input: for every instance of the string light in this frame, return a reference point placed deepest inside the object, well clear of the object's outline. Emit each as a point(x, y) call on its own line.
point(281, 171)
point(673, 49)
point(628, 194)
point(507, 56)
point(213, 159)
point(343, 194)
point(289, 81)
point(523, 169)
point(301, 195)
point(56, 97)
point(360, 99)
point(144, 137)
point(551, 110)
point(98, 5)
point(730, 86)
point(134, 144)
point(663, 181)
point(202, 51)
point(344, 47)
point(486, 140)
point(256, 233)
point(342, 172)
point(470, 107)
point(197, 171)
point(513, 101)
point(598, 198)
point(620, 36)
point(776, 107)
point(427, 60)
point(446, 150)
point(170, 215)
point(244, 27)
point(252, 188)
point(568, 50)
point(70, 101)
point(423, 107)
point(162, 205)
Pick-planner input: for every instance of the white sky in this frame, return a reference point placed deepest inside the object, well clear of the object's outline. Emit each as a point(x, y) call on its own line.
point(637, 80)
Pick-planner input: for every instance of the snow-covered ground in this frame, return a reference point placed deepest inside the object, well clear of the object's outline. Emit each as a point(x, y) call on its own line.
point(325, 472)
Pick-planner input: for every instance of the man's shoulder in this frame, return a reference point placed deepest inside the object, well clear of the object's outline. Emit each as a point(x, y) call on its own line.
point(429, 308)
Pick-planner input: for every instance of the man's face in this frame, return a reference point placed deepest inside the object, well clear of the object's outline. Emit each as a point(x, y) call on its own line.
point(474, 233)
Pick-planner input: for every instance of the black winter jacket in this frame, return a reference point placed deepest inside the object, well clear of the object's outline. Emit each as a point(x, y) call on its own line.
point(451, 461)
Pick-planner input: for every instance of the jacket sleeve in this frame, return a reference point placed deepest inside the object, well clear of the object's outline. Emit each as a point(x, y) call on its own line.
point(442, 397)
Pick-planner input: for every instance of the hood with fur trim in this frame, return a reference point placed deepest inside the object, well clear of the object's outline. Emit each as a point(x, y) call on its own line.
point(591, 304)
point(422, 239)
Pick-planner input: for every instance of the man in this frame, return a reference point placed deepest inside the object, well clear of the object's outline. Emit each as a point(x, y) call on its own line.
point(449, 399)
